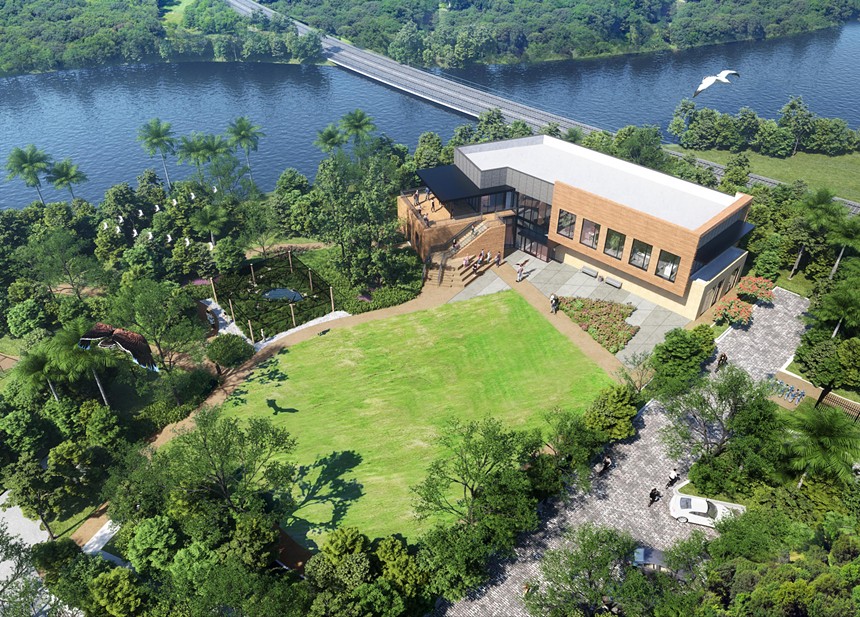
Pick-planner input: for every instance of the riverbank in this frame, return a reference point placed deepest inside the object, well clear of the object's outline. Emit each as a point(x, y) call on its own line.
point(840, 174)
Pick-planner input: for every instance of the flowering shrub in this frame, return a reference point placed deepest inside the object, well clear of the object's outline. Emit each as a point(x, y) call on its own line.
point(734, 311)
point(603, 320)
point(755, 288)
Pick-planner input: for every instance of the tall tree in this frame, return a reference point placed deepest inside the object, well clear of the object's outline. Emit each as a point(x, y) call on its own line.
point(36, 369)
point(244, 134)
point(29, 164)
point(210, 219)
point(846, 234)
point(156, 136)
point(330, 138)
point(817, 214)
point(576, 578)
point(192, 150)
point(797, 118)
point(841, 305)
point(75, 362)
point(823, 441)
point(214, 146)
point(65, 174)
point(59, 256)
point(357, 125)
point(35, 490)
point(233, 464)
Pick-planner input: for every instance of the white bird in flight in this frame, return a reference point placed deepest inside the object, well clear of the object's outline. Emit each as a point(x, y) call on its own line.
point(169, 239)
point(149, 235)
point(214, 189)
point(211, 247)
point(192, 196)
point(139, 213)
point(118, 230)
point(710, 80)
point(119, 219)
point(104, 224)
point(133, 232)
point(187, 242)
point(157, 208)
point(174, 202)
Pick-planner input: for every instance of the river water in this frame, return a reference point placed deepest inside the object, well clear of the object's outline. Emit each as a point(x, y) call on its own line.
point(93, 115)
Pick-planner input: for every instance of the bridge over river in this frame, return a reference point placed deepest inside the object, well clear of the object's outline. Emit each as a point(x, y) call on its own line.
point(449, 93)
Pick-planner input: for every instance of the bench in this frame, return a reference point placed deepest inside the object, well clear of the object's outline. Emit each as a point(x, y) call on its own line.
point(614, 282)
point(589, 271)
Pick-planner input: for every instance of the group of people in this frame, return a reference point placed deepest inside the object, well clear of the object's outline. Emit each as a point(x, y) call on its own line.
point(655, 494)
point(481, 258)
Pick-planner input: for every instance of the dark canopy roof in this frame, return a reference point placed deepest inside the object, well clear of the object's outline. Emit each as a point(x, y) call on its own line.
point(448, 183)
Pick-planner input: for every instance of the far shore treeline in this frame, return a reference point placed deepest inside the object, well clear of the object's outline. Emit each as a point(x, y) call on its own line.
point(46, 35)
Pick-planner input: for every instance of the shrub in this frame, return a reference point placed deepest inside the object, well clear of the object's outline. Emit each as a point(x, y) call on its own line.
point(677, 361)
point(734, 311)
point(229, 351)
point(25, 317)
point(768, 263)
point(603, 320)
point(756, 288)
point(612, 412)
point(162, 413)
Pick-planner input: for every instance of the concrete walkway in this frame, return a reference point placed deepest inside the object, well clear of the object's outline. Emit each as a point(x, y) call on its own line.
point(566, 281)
point(769, 342)
point(619, 499)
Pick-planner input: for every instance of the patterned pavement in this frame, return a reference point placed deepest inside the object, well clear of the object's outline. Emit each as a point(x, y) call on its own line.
point(566, 281)
point(619, 498)
point(770, 340)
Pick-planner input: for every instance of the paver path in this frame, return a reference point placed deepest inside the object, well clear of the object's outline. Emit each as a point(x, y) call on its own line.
point(770, 341)
point(619, 498)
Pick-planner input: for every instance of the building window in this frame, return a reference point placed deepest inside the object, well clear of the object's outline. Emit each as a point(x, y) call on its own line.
point(614, 243)
point(590, 233)
point(566, 223)
point(640, 254)
point(667, 265)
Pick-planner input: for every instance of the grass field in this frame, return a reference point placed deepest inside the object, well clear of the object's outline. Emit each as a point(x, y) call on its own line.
point(175, 11)
point(840, 174)
point(365, 403)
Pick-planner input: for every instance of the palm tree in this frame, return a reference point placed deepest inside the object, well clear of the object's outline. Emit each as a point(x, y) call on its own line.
point(845, 234)
point(156, 136)
point(823, 441)
point(358, 125)
point(214, 146)
point(841, 305)
point(192, 150)
point(818, 214)
point(330, 138)
point(36, 369)
point(244, 134)
point(72, 360)
point(64, 174)
point(29, 164)
point(210, 219)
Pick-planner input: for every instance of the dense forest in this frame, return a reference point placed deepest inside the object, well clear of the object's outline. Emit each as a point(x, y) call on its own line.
point(419, 32)
point(44, 35)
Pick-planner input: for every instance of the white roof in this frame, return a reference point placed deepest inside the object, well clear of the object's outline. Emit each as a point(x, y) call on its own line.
point(554, 160)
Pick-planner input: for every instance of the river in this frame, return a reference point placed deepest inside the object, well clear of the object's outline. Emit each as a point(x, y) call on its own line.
point(93, 115)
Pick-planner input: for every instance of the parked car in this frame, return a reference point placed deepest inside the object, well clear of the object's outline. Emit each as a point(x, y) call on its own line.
point(698, 510)
point(650, 559)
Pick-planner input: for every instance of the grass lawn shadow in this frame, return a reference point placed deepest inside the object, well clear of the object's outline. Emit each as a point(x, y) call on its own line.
point(324, 495)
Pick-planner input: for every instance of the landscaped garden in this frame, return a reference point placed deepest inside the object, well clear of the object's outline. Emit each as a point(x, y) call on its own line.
point(603, 320)
point(366, 403)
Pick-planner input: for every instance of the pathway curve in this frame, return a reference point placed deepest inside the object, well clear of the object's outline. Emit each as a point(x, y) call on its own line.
point(619, 499)
point(769, 342)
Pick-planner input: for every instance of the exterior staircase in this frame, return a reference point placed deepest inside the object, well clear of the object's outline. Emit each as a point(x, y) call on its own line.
point(442, 265)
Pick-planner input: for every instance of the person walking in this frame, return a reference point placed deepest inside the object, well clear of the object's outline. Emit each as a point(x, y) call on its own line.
point(722, 361)
point(415, 198)
point(553, 304)
point(673, 477)
point(498, 258)
point(653, 496)
point(607, 463)
point(520, 270)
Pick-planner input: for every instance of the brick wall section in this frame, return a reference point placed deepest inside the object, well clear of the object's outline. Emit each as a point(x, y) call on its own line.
point(492, 240)
point(424, 238)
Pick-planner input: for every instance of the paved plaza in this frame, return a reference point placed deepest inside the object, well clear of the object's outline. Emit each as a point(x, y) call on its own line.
point(769, 342)
point(557, 278)
point(619, 498)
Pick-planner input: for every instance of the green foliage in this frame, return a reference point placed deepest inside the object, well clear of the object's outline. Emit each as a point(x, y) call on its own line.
point(824, 442)
point(152, 545)
point(612, 412)
point(768, 264)
point(344, 541)
point(456, 558)
point(119, 592)
point(25, 317)
point(229, 350)
point(678, 359)
point(576, 578)
point(758, 535)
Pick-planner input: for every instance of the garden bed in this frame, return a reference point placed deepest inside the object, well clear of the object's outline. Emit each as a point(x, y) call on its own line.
point(605, 321)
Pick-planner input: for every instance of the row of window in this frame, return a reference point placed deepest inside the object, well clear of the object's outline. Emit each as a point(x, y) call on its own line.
point(640, 252)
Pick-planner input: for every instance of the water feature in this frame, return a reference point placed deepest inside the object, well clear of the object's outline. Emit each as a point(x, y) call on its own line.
point(93, 115)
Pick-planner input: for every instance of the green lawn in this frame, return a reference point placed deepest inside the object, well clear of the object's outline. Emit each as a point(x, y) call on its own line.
point(841, 174)
point(10, 346)
point(365, 403)
point(175, 11)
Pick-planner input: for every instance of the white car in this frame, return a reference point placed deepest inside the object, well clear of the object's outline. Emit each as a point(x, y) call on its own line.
point(700, 511)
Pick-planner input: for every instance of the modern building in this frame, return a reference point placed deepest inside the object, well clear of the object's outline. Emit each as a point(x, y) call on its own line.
point(665, 239)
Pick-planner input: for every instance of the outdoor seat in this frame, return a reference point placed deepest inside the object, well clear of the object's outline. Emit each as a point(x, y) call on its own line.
point(589, 271)
point(614, 282)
